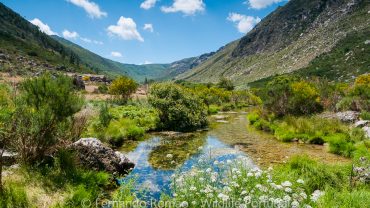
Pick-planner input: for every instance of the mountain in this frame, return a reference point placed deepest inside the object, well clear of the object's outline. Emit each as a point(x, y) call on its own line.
point(318, 37)
point(103, 65)
point(24, 49)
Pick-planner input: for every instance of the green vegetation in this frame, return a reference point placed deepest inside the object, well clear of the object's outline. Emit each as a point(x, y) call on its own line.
point(285, 96)
point(123, 87)
point(117, 124)
point(179, 109)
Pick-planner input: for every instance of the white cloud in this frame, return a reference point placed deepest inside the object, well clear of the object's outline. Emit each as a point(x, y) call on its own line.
point(243, 23)
point(148, 27)
point(125, 29)
point(90, 7)
point(147, 62)
point(188, 7)
point(87, 40)
point(43, 27)
point(98, 42)
point(70, 35)
point(260, 4)
point(148, 4)
point(116, 54)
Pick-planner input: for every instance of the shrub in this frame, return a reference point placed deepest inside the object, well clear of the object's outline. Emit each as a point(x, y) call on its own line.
point(42, 115)
point(287, 95)
point(134, 132)
point(104, 116)
point(213, 109)
point(226, 84)
point(179, 109)
point(103, 89)
point(123, 87)
point(358, 97)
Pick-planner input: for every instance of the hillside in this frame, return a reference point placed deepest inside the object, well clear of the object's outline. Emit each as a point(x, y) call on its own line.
point(103, 65)
point(24, 49)
point(300, 35)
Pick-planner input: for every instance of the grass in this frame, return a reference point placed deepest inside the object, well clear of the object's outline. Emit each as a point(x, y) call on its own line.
point(61, 184)
point(314, 130)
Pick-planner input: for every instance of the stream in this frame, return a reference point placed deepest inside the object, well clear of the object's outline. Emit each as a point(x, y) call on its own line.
point(158, 157)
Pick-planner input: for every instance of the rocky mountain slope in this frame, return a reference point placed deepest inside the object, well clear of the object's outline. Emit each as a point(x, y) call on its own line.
point(315, 36)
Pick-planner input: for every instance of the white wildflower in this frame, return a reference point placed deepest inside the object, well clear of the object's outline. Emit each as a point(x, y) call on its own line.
point(288, 190)
point(223, 197)
point(300, 181)
point(316, 195)
point(295, 204)
point(169, 156)
point(249, 174)
point(208, 170)
point(193, 188)
point(247, 199)
point(216, 162)
point(287, 198)
point(263, 198)
point(243, 193)
point(184, 204)
point(286, 184)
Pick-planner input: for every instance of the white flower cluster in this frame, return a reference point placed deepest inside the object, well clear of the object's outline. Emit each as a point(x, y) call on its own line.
point(238, 185)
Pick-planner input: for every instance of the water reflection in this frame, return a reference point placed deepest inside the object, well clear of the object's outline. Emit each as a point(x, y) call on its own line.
point(155, 180)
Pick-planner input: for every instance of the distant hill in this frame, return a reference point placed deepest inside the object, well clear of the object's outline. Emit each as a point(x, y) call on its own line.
point(24, 49)
point(328, 38)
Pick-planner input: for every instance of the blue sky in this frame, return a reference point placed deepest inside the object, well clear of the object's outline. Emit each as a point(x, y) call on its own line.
point(146, 31)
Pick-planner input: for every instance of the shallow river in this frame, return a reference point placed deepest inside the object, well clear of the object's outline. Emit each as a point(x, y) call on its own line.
point(158, 157)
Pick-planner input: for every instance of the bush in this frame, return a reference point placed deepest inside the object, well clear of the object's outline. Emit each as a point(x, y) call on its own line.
point(123, 87)
point(287, 95)
point(120, 130)
point(179, 109)
point(226, 84)
point(213, 109)
point(358, 97)
point(42, 115)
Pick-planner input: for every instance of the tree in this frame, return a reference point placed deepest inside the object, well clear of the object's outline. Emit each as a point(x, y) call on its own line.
point(179, 109)
point(226, 84)
point(123, 87)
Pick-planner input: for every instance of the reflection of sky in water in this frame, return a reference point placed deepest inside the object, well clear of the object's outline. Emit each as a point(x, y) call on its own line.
point(155, 181)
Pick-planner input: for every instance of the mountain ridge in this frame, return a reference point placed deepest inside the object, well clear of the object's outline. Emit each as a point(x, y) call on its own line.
point(268, 50)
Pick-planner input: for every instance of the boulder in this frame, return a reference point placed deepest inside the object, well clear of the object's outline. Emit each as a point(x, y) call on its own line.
point(9, 158)
point(361, 123)
point(93, 154)
point(348, 116)
point(367, 131)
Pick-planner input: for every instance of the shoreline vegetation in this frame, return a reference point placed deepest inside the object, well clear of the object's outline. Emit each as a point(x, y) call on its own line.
point(41, 117)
